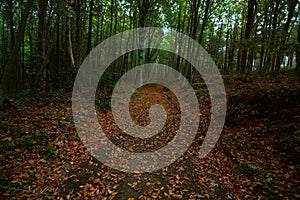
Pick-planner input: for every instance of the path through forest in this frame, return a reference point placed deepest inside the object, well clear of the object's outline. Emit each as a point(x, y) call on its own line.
point(257, 155)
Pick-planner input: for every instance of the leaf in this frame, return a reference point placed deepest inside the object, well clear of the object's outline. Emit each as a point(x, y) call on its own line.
point(148, 183)
point(287, 175)
point(130, 148)
point(186, 177)
point(297, 196)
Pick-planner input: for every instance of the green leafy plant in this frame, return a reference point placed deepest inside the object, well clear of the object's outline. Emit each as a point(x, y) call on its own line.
point(2, 177)
point(48, 151)
point(104, 104)
point(31, 175)
point(248, 171)
point(27, 141)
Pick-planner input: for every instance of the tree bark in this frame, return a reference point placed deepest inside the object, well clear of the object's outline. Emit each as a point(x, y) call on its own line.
point(69, 36)
point(292, 5)
point(249, 26)
point(11, 24)
point(298, 55)
point(51, 41)
point(89, 44)
point(42, 38)
point(8, 81)
point(205, 20)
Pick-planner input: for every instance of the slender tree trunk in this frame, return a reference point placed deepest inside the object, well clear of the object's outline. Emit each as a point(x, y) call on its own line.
point(97, 30)
point(11, 24)
point(227, 46)
point(144, 7)
point(298, 55)
point(51, 40)
point(238, 67)
point(69, 36)
point(273, 39)
point(205, 20)
point(291, 59)
point(178, 29)
point(4, 48)
point(42, 38)
point(31, 52)
point(89, 44)
point(232, 49)
point(249, 26)
point(8, 81)
point(195, 16)
point(111, 17)
point(78, 32)
point(57, 53)
point(292, 5)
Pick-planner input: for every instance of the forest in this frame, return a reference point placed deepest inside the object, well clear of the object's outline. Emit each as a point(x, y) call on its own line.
point(255, 45)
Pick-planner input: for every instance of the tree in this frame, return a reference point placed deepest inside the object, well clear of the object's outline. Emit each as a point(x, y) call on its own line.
point(291, 7)
point(249, 26)
point(205, 20)
point(90, 27)
point(239, 35)
point(69, 35)
point(42, 38)
point(298, 55)
point(8, 81)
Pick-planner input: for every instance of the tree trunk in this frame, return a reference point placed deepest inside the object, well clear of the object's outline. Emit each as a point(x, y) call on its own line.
point(11, 24)
point(89, 44)
point(78, 32)
point(51, 41)
point(292, 5)
point(8, 81)
point(227, 46)
point(69, 36)
point(42, 39)
point(298, 55)
point(249, 26)
point(205, 20)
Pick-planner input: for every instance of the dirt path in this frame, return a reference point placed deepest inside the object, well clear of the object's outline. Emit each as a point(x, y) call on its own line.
point(257, 155)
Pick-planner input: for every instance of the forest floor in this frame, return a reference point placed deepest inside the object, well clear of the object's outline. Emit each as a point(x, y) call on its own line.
point(256, 157)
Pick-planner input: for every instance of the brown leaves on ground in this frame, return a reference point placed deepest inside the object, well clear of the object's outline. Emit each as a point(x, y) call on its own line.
point(257, 155)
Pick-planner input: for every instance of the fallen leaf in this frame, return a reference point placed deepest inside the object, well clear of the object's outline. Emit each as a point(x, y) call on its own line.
point(287, 175)
point(186, 177)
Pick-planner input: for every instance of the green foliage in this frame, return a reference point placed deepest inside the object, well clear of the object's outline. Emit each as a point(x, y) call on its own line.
point(28, 141)
point(104, 104)
point(136, 94)
point(48, 151)
point(247, 170)
point(289, 138)
point(31, 176)
point(2, 177)
point(106, 81)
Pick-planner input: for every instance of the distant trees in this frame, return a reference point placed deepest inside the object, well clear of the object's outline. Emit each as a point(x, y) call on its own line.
point(46, 41)
point(12, 72)
point(249, 26)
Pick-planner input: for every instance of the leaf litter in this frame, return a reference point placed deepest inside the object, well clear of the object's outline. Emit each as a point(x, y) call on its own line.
point(256, 157)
